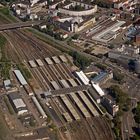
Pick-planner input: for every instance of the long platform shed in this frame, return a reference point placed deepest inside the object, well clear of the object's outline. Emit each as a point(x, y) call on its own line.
point(55, 85)
point(64, 83)
point(67, 117)
point(48, 61)
point(72, 82)
point(40, 109)
point(88, 103)
point(32, 64)
point(80, 105)
point(39, 62)
point(70, 107)
point(20, 77)
point(98, 89)
point(56, 59)
point(63, 58)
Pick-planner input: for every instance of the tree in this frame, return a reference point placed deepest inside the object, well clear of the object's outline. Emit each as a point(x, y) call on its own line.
point(120, 96)
point(75, 37)
point(100, 66)
point(111, 46)
point(118, 76)
point(137, 113)
point(79, 60)
point(93, 75)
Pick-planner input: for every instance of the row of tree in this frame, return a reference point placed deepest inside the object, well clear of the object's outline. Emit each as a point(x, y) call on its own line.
point(123, 101)
point(79, 60)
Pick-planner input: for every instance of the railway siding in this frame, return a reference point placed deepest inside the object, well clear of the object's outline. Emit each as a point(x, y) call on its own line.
point(70, 107)
point(88, 103)
point(80, 105)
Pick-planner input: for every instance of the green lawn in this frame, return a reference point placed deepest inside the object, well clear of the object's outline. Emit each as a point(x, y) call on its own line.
point(26, 73)
point(6, 16)
point(4, 62)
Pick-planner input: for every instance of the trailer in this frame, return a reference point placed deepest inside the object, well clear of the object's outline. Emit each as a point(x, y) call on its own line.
point(28, 90)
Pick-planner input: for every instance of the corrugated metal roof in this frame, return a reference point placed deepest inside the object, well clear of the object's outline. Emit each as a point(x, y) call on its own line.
point(99, 77)
point(7, 84)
point(39, 62)
point(80, 105)
point(20, 77)
point(56, 59)
point(98, 89)
point(32, 64)
point(19, 103)
point(64, 83)
point(70, 107)
point(63, 58)
point(40, 109)
point(83, 77)
point(55, 85)
point(88, 103)
point(49, 61)
point(72, 82)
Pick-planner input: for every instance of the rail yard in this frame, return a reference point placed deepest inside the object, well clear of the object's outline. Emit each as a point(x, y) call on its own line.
point(53, 84)
point(49, 94)
point(69, 69)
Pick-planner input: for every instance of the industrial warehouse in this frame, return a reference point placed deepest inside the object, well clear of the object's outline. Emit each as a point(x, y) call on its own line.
point(18, 103)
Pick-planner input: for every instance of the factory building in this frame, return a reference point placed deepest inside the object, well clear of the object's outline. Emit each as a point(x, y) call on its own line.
point(17, 103)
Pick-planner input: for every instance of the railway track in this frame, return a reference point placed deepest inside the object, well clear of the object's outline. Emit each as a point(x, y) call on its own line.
point(38, 45)
point(29, 48)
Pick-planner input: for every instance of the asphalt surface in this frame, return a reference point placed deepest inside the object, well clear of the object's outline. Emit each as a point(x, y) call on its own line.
point(18, 25)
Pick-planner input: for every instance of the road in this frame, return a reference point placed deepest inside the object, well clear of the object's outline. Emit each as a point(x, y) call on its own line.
point(19, 25)
point(128, 122)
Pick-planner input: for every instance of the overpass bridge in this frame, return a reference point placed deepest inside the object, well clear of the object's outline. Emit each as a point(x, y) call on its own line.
point(19, 25)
